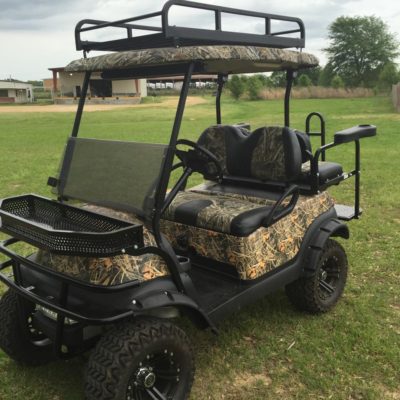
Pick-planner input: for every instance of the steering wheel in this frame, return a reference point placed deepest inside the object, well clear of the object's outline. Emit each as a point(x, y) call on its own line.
point(199, 159)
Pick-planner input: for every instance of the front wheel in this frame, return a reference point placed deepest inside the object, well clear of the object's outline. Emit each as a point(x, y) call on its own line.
point(320, 292)
point(146, 359)
point(18, 337)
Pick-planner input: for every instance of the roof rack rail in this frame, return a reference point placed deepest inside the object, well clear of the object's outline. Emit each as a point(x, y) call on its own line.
point(178, 36)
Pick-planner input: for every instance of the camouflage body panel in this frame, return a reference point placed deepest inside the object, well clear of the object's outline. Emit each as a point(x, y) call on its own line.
point(224, 59)
point(219, 213)
point(268, 158)
point(263, 250)
point(111, 270)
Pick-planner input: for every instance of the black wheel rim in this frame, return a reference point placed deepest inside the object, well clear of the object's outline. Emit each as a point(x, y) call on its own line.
point(156, 377)
point(329, 277)
point(35, 336)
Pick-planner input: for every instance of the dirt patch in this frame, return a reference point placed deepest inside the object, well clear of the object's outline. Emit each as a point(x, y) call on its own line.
point(55, 108)
point(246, 380)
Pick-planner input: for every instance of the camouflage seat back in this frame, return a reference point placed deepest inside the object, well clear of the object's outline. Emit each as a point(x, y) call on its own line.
point(269, 153)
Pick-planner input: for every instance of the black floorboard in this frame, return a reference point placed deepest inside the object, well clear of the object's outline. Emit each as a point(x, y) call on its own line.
point(214, 288)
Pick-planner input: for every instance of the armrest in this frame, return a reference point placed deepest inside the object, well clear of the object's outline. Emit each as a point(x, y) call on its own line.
point(354, 133)
point(276, 213)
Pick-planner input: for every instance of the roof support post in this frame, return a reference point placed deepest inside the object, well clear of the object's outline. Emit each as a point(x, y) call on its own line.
point(162, 243)
point(222, 78)
point(290, 75)
point(54, 81)
point(81, 104)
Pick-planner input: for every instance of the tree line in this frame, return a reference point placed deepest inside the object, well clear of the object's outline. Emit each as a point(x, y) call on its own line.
point(361, 53)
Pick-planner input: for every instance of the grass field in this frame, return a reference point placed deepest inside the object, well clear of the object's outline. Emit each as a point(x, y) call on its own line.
point(269, 350)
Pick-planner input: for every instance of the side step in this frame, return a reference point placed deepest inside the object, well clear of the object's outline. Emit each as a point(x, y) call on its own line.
point(346, 213)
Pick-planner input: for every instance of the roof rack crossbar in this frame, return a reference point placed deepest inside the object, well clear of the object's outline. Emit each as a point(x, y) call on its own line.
point(285, 32)
point(175, 36)
point(119, 23)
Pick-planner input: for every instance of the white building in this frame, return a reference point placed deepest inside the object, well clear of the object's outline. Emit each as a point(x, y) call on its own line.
point(12, 91)
point(67, 88)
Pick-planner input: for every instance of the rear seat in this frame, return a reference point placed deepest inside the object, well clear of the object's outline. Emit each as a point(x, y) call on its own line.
point(276, 155)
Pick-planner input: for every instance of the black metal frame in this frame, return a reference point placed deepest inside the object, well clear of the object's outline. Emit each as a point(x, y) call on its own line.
point(290, 76)
point(176, 36)
point(222, 79)
point(316, 186)
point(322, 132)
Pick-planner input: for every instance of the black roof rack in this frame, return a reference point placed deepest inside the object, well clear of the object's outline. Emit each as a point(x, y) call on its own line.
point(177, 36)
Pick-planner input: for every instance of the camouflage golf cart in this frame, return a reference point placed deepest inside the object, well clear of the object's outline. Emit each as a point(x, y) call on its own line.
point(124, 250)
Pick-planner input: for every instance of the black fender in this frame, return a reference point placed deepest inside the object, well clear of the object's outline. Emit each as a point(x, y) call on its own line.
point(151, 301)
point(331, 227)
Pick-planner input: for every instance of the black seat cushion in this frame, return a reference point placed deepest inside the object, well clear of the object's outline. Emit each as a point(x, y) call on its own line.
point(219, 212)
point(327, 171)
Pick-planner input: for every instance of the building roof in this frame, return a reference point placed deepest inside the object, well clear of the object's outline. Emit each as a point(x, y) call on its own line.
point(214, 59)
point(57, 69)
point(14, 84)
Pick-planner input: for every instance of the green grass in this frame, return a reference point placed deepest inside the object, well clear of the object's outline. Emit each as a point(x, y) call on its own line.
point(267, 351)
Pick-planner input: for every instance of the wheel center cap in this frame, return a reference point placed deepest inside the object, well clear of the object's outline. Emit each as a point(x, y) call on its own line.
point(149, 380)
point(324, 275)
point(146, 378)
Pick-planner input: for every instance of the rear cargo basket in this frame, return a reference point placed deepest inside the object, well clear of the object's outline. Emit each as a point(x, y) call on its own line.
point(64, 229)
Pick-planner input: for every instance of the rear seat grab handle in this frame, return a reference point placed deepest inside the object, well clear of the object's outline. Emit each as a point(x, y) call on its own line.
point(275, 216)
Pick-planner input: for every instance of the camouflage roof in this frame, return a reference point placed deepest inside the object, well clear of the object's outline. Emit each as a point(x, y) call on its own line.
point(216, 59)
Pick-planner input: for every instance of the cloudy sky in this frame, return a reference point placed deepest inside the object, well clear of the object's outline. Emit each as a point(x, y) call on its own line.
point(38, 34)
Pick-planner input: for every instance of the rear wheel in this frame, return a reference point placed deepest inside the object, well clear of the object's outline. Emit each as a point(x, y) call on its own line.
point(321, 291)
point(18, 337)
point(147, 359)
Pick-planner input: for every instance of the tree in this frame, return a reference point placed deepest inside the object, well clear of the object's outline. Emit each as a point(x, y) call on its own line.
point(36, 83)
point(312, 73)
point(326, 76)
point(360, 47)
point(304, 81)
point(254, 87)
point(278, 79)
point(389, 76)
point(237, 86)
point(264, 80)
point(337, 82)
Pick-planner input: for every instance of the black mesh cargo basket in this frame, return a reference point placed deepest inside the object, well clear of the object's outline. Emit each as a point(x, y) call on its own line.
point(64, 229)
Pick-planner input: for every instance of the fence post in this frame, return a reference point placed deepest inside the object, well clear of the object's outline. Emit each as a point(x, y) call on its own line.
point(396, 97)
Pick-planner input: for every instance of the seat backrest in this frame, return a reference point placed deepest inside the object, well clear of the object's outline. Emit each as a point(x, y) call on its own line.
point(115, 174)
point(269, 153)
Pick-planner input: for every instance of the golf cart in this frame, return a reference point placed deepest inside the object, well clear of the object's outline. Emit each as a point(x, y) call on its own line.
point(123, 251)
